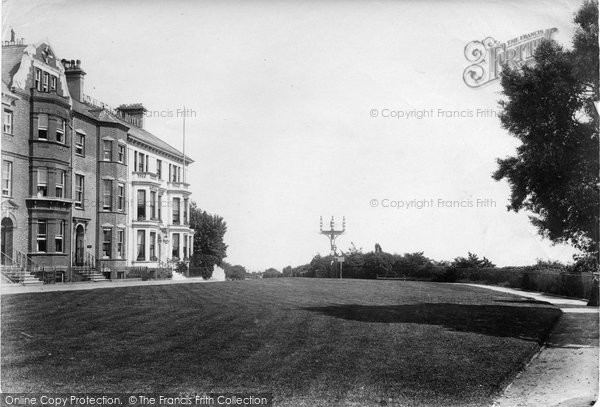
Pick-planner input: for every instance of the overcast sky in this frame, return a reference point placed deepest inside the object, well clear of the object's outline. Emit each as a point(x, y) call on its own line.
point(283, 97)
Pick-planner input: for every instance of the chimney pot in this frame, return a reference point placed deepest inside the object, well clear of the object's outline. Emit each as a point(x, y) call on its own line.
point(75, 76)
point(133, 113)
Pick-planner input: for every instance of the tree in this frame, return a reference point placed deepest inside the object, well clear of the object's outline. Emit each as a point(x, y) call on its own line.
point(549, 107)
point(271, 273)
point(302, 271)
point(376, 264)
point(287, 271)
point(209, 248)
point(410, 264)
point(472, 261)
point(323, 267)
point(236, 272)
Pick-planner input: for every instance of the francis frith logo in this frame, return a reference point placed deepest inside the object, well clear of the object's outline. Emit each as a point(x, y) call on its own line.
point(488, 56)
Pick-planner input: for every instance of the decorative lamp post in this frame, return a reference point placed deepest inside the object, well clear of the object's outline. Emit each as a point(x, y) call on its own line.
point(332, 234)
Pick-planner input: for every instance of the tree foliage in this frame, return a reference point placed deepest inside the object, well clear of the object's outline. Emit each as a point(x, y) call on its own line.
point(549, 107)
point(236, 272)
point(209, 248)
point(472, 261)
point(367, 265)
point(271, 273)
point(377, 264)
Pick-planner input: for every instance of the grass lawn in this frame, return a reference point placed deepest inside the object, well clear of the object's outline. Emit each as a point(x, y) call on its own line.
point(309, 341)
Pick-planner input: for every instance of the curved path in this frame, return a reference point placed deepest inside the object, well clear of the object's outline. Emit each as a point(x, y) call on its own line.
point(565, 372)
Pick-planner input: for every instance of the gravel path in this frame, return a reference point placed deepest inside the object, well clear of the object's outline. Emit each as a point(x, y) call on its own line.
point(565, 372)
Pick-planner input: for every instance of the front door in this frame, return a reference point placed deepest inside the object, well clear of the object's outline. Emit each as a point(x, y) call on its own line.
point(7, 241)
point(79, 246)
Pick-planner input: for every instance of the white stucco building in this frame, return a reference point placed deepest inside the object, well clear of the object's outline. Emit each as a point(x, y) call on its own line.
point(158, 197)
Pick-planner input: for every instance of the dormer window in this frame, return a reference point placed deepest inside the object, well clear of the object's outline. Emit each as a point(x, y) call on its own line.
point(46, 82)
point(38, 80)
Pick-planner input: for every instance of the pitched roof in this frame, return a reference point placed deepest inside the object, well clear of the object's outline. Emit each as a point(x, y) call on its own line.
point(135, 132)
point(84, 109)
point(11, 59)
point(148, 138)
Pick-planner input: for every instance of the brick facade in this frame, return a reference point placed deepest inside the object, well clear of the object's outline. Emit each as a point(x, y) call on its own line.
point(69, 185)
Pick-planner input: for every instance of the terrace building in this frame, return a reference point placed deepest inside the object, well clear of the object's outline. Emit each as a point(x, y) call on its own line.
point(83, 184)
point(159, 204)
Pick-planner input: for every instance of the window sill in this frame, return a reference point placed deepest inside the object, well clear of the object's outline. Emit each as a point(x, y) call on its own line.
point(48, 141)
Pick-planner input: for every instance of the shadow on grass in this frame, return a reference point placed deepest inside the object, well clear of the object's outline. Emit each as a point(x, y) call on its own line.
point(527, 322)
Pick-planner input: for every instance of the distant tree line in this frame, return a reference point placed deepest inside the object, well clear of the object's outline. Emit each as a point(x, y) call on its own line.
point(379, 264)
point(545, 276)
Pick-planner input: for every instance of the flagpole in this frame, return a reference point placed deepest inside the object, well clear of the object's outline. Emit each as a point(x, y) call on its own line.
point(184, 114)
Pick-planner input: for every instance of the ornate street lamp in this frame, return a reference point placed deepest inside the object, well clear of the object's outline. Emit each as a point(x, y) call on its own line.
point(332, 234)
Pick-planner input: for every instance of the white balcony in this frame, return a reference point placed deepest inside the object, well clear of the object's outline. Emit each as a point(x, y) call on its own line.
point(145, 178)
point(182, 187)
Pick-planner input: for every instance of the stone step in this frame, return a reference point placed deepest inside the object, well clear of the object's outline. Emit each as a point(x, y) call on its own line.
point(31, 280)
point(21, 277)
point(92, 275)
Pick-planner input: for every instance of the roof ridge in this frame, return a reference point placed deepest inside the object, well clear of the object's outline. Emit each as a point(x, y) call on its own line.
point(173, 150)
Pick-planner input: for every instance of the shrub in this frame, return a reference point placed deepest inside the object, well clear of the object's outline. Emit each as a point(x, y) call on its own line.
point(236, 272)
point(472, 261)
point(377, 264)
point(164, 273)
point(324, 267)
point(584, 264)
point(271, 273)
point(181, 267)
point(409, 264)
point(204, 272)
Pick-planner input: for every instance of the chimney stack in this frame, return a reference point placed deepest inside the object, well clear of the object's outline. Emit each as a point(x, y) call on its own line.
point(133, 113)
point(74, 75)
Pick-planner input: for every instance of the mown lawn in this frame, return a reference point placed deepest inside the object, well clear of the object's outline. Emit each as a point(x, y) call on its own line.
point(310, 342)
